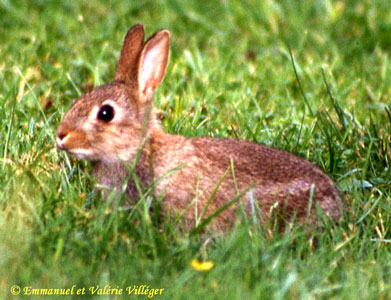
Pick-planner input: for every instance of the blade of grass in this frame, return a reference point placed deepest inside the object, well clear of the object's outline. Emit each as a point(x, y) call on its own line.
point(11, 122)
point(218, 211)
point(299, 82)
point(388, 113)
point(212, 195)
point(340, 112)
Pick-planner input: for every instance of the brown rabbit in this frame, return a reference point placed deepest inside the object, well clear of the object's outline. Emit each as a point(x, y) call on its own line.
point(115, 123)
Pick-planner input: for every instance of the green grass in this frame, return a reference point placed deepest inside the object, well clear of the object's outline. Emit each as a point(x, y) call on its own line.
point(230, 75)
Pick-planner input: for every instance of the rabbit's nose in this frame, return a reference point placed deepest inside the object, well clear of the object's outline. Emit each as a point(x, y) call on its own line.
point(62, 133)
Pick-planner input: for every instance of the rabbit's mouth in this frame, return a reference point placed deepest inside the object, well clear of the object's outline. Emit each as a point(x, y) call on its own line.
point(73, 142)
point(78, 152)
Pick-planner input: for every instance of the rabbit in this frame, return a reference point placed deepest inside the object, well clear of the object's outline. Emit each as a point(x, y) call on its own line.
point(115, 126)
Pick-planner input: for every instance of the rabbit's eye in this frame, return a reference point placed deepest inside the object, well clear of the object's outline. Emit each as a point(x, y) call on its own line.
point(106, 113)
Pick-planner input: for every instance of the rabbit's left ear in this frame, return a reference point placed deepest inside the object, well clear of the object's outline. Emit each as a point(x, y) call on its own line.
point(153, 63)
point(131, 48)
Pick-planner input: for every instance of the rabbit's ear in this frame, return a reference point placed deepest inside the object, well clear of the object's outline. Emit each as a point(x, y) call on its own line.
point(131, 48)
point(153, 62)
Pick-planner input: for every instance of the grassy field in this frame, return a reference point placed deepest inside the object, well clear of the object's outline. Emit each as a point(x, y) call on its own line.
point(230, 75)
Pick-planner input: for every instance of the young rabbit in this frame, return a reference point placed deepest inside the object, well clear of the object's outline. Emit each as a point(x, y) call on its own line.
point(114, 126)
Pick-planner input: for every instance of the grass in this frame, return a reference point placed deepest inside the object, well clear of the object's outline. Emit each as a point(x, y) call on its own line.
point(230, 75)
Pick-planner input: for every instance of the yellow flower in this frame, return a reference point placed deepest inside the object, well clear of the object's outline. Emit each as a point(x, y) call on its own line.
point(202, 265)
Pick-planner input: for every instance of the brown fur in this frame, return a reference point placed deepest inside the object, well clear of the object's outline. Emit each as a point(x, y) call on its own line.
point(277, 180)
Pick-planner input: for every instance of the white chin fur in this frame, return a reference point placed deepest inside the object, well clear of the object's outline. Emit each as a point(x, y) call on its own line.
point(81, 153)
point(89, 155)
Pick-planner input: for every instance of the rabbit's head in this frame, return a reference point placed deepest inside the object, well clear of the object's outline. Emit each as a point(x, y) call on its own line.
point(111, 122)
